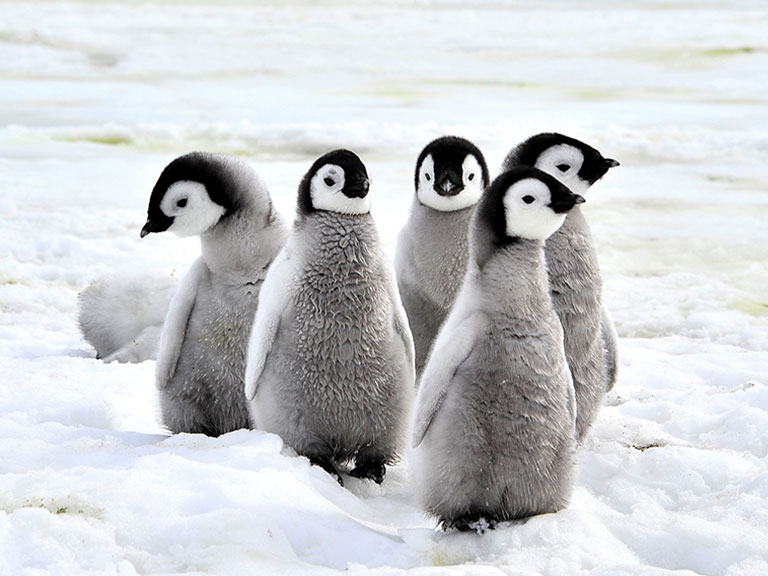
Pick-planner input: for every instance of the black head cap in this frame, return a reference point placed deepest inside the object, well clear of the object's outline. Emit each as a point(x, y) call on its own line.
point(491, 215)
point(356, 182)
point(448, 154)
point(527, 153)
point(200, 167)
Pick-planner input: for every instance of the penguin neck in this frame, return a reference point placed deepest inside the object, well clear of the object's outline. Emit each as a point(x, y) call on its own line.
point(440, 249)
point(571, 256)
point(331, 218)
point(338, 248)
point(570, 236)
point(514, 276)
point(441, 221)
point(334, 229)
point(575, 223)
point(242, 245)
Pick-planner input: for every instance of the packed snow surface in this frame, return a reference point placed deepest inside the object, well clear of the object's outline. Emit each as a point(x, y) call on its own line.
point(97, 97)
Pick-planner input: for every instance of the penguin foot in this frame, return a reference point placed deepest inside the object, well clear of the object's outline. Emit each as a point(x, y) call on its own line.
point(328, 466)
point(469, 523)
point(369, 469)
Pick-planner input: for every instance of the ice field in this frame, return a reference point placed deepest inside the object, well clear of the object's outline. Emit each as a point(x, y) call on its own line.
point(97, 97)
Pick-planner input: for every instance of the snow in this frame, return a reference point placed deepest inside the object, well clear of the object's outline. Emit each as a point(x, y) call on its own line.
point(97, 98)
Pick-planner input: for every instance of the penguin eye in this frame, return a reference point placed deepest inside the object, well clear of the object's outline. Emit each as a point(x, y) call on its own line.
point(471, 177)
point(562, 167)
point(329, 181)
point(181, 202)
point(427, 176)
point(528, 199)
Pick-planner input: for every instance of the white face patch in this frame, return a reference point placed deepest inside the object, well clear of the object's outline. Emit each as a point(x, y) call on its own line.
point(191, 208)
point(325, 189)
point(472, 176)
point(527, 211)
point(564, 161)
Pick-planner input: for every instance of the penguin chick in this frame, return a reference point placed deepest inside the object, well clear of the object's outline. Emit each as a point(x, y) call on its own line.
point(201, 358)
point(432, 247)
point(493, 432)
point(574, 273)
point(330, 360)
point(121, 314)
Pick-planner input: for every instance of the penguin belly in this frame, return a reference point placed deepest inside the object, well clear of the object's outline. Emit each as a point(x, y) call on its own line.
point(502, 445)
point(333, 386)
point(207, 392)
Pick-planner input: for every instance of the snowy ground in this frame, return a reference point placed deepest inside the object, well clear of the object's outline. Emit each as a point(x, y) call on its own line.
point(95, 99)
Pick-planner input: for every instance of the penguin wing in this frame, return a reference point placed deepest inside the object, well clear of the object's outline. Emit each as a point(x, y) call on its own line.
point(175, 325)
point(402, 251)
point(275, 295)
point(452, 347)
point(610, 347)
point(402, 327)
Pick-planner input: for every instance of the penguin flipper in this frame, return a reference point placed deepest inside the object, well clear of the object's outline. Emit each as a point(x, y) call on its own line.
point(402, 328)
point(610, 348)
point(452, 347)
point(275, 295)
point(175, 325)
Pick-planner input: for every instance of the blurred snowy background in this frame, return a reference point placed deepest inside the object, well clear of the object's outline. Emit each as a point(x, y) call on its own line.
point(97, 97)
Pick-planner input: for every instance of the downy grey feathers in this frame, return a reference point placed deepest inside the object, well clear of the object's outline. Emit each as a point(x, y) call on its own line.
point(330, 361)
point(201, 360)
point(432, 247)
point(495, 413)
point(574, 273)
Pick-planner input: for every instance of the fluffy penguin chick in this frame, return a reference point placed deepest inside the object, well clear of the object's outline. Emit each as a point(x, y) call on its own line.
point(493, 433)
point(121, 314)
point(574, 274)
point(330, 360)
point(432, 247)
point(201, 359)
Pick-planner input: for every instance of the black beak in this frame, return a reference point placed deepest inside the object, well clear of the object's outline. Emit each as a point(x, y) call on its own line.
point(562, 205)
point(357, 188)
point(448, 184)
point(602, 168)
point(152, 226)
